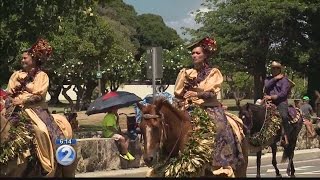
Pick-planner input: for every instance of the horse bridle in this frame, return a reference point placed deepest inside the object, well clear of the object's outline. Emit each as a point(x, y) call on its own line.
point(163, 131)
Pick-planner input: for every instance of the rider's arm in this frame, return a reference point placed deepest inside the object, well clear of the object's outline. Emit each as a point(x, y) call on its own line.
point(205, 95)
point(38, 90)
point(269, 82)
point(12, 83)
point(40, 85)
point(284, 90)
point(179, 84)
point(213, 81)
point(33, 99)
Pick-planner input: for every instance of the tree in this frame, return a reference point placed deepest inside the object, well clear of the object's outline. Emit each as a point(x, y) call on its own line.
point(22, 22)
point(247, 32)
point(152, 31)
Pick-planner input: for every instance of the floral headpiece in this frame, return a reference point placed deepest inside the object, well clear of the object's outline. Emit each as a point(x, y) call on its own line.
point(207, 43)
point(41, 50)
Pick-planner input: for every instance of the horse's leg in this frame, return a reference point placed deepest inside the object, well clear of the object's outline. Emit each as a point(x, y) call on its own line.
point(292, 145)
point(258, 163)
point(274, 158)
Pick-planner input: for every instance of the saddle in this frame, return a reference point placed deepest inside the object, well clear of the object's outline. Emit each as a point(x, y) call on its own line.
point(294, 114)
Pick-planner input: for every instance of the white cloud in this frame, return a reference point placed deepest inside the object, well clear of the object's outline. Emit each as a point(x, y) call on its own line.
point(187, 22)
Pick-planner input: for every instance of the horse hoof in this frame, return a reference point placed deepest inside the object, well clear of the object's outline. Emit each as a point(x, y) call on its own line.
point(293, 176)
point(278, 176)
point(258, 176)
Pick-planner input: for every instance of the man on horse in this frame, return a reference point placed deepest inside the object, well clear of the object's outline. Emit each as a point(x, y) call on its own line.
point(277, 89)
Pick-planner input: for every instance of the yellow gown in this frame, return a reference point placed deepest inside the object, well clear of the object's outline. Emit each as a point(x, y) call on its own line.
point(39, 86)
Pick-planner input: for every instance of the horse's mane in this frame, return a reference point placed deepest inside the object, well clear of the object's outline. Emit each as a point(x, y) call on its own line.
point(162, 101)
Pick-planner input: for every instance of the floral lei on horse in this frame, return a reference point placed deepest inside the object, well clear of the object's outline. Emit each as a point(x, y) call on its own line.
point(20, 134)
point(198, 150)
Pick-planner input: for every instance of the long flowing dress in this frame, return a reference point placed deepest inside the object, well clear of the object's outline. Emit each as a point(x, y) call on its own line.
point(33, 95)
point(207, 82)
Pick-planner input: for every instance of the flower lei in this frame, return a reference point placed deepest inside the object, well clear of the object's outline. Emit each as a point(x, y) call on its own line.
point(20, 135)
point(197, 152)
point(269, 129)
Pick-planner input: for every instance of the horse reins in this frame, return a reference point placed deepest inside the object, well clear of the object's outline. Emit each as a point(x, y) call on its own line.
point(265, 117)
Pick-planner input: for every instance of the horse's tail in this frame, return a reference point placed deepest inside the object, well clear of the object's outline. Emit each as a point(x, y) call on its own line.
point(286, 153)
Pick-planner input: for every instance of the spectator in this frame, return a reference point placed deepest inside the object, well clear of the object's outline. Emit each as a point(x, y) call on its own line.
point(111, 129)
point(307, 112)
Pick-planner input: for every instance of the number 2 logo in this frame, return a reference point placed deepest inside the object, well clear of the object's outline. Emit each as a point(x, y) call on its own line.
point(65, 155)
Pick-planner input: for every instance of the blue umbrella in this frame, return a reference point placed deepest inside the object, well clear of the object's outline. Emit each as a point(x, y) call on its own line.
point(117, 99)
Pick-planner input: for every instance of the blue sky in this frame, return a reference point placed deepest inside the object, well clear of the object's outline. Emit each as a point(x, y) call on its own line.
point(175, 13)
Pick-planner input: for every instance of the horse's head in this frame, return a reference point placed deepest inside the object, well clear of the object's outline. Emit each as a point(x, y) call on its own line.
point(246, 115)
point(151, 127)
point(253, 116)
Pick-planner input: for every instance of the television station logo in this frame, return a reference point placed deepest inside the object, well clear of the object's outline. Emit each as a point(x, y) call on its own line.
point(65, 154)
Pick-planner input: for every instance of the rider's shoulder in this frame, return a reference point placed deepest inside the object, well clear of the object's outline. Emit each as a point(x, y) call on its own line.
point(42, 73)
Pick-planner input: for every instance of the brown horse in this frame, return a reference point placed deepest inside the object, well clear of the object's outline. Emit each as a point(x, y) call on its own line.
point(254, 117)
point(28, 168)
point(168, 128)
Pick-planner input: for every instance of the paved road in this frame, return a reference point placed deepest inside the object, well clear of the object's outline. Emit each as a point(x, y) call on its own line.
point(306, 162)
point(304, 168)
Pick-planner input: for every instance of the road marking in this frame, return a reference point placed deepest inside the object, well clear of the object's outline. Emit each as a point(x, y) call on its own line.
point(302, 168)
point(295, 162)
point(256, 174)
point(310, 172)
point(273, 170)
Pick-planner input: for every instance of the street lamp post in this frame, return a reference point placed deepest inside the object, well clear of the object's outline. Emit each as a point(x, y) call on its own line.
point(99, 78)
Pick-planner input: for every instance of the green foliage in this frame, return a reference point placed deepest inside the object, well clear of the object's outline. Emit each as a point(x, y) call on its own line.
point(21, 134)
point(252, 33)
point(152, 31)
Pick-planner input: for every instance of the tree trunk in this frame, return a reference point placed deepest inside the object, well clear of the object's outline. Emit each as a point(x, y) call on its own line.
point(103, 85)
point(259, 76)
point(90, 86)
point(313, 78)
point(64, 93)
point(79, 91)
point(54, 92)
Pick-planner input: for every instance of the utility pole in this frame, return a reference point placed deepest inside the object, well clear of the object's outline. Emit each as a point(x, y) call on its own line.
point(154, 66)
point(154, 59)
point(99, 78)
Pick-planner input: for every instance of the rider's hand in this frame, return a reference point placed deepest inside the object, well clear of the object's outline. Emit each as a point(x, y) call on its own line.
point(267, 97)
point(279, 76)
point(190, 94)
point(17, 101)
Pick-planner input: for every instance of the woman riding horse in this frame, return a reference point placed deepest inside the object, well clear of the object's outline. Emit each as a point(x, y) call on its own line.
point(199, 85)
point(28, 88)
